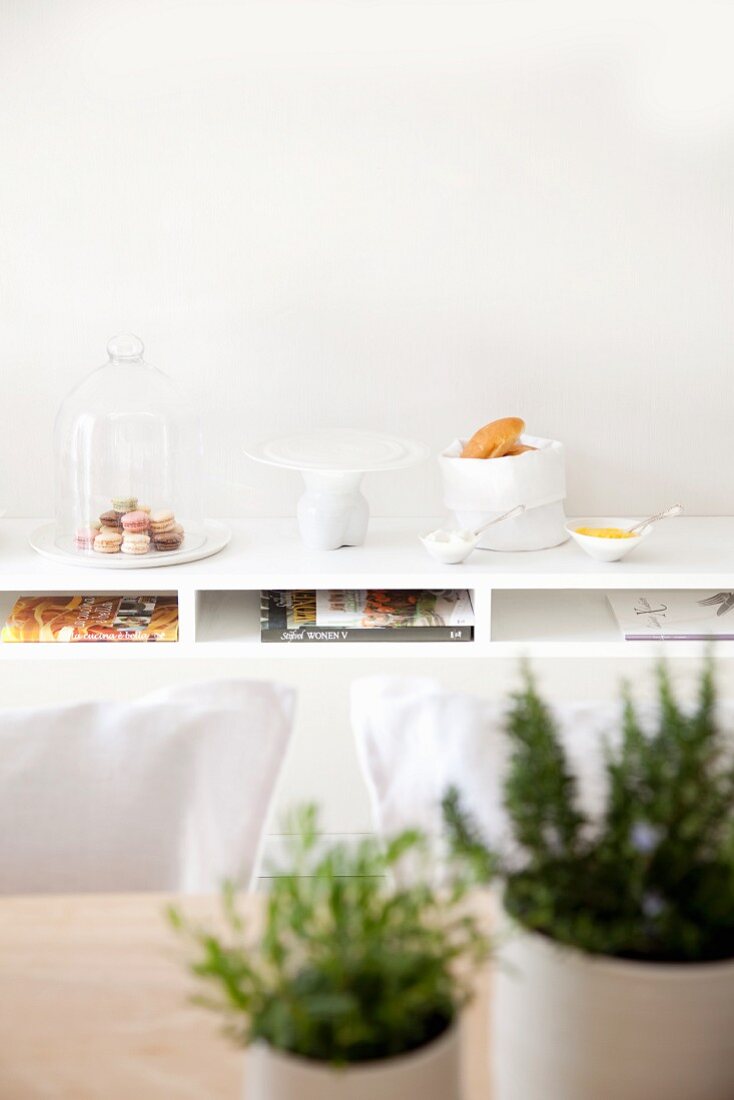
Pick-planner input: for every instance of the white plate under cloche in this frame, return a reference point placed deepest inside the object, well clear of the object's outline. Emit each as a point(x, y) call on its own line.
point(217, 535)
point(340, 450)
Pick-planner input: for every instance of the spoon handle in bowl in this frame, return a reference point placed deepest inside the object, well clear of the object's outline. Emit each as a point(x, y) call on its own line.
point(667, 513)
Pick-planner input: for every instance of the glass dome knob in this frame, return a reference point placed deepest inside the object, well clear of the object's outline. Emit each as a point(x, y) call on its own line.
point(125, 346)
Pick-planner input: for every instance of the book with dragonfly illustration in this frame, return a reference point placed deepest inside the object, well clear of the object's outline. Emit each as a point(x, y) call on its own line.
point(674, 616)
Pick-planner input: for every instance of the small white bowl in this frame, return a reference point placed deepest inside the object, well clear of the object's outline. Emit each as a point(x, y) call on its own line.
point(452, 552)
point(602, 549)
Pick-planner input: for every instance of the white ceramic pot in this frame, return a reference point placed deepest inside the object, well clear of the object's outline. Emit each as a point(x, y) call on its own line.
point(477, 490)
point(431, 1073)
point(569, 1026)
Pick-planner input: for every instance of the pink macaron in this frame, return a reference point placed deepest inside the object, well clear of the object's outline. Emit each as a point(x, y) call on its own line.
point(84, 538)
point(136, 522)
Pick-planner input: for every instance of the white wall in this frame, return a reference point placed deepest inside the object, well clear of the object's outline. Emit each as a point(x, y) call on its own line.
point(410, 216)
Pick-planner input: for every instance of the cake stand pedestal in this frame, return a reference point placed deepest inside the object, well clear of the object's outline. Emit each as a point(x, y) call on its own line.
point(333, 512)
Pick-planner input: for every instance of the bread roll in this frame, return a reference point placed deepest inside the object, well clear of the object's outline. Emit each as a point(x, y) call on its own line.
point(518, 449)
point(493, 440)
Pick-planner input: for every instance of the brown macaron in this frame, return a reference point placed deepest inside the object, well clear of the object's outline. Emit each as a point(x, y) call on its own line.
point(111, 519)
point(494, 439)
point(167, 540)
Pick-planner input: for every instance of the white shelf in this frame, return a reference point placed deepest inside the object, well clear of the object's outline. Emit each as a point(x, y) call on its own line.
point(267, 553)
point(549, 603)
point(230, 620)
point(226, 617)
point(574, 622)
point(553, 616)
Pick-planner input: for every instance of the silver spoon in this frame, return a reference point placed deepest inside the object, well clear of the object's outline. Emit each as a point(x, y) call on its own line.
point(455, 555)
point(516, 511)
point(667, 513)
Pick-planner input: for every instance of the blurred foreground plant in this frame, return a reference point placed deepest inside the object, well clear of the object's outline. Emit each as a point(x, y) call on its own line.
point(654, 878)
point(349, 966)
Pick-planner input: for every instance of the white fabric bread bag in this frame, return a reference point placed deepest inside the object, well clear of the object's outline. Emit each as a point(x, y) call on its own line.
point(479, 489)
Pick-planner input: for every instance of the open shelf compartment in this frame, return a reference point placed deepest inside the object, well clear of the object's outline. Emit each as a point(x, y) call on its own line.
point(8, 599)
point(568, 616)
point(233, 616)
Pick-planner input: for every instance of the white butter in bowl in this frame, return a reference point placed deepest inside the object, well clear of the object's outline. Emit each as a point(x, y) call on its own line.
point(450, 547)
point(453, 547)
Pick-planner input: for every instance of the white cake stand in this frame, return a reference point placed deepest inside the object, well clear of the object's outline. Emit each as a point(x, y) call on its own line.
point(333, 512)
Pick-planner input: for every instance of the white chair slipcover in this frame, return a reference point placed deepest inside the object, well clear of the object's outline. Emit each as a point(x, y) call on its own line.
point(166, 793)
point(416, 738)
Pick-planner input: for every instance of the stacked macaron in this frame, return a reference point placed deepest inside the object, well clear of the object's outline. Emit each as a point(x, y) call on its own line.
point(112, 524)
point(108, 541)
point(135, 537)
point(111, 519)
point(124, 504)
point(167, 534)
point(130, 528)
point(85, 536)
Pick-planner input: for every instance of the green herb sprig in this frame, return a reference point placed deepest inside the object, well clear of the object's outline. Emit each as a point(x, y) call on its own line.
point(349, 966)
point(654, 880)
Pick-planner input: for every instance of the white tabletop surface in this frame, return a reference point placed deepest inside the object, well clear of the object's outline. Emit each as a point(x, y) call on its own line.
point(685, 552)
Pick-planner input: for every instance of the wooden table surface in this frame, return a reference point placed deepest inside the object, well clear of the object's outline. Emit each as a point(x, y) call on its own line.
point(94, 1006)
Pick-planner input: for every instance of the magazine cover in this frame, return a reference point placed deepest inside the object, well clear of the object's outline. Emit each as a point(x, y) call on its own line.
point(674, 616)
point(366, 614)
point(124, 618)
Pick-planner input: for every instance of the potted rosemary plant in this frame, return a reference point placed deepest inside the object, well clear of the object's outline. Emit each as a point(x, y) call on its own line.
point(618, 973)
point(353, 986)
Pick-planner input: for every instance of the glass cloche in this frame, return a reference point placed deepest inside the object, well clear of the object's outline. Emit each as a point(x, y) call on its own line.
point(128, 452)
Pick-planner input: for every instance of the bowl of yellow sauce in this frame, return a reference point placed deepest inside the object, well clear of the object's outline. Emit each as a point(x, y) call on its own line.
point(607, 539)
